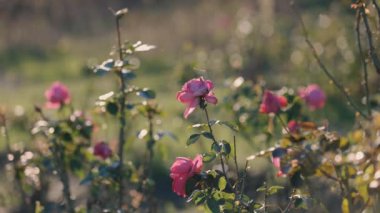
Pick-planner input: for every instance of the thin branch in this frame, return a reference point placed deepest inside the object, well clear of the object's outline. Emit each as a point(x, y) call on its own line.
point(363, 60)
point(283, 124)
point(235, 160)
point(122, 118)
point(290, 202)
point(324, 69)
point(372, 50)
point(243, 183)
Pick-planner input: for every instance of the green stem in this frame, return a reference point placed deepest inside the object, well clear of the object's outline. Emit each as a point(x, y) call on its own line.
point(214, 140)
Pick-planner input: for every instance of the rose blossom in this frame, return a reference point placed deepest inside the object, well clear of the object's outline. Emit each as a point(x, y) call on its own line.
point(57, 95)
point(195, 90)
point(314, 96)
point(272, 103)
point(102, 150)
point(181, 170)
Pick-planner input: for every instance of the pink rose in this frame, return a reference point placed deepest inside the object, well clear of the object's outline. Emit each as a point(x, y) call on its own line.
point(193, 92)
point(57, 95)
point(314, 97)
point(272, 103)
point(102, 150)
point(181, 170)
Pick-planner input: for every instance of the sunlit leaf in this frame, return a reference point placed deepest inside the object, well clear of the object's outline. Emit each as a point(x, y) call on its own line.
point(274, 189)
point(208, 157)
point(222, 183)
point(345, 206)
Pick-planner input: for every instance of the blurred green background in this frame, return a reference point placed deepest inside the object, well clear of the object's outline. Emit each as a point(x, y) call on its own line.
point(44, 41)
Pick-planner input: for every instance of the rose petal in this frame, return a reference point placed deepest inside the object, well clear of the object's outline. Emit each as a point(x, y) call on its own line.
point(191, 107)
point(210, 97)
point(185, 97)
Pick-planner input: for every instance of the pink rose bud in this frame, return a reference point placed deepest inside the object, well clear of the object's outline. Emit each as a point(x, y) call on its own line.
point(193, 92)
point(272, 103)
point(313, 95)
point(102, 150)
point(57, 95)
point(181, 170)
point(293, 126)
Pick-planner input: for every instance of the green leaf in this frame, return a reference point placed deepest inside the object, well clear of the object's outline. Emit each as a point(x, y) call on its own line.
point(146, 93)
point(261, 189)
point(216, 148)
point(198, 125)
point(212, 173)
point(105, 67)
point(222, 183)
point(193, 138)
point(345, 206)
point(197, 197)
point(208, 157)
point(228, 206)
point(128, 74)
point(112, 108)
point(213, 206)
point(274, 189)
point(207, 135)
point(226, 147)
point(257, 206)
point(230, 125)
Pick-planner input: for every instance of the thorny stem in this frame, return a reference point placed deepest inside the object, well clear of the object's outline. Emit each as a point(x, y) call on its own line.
point(363, 60)
point(122, 117)
point(214, 140)
point(324, 69)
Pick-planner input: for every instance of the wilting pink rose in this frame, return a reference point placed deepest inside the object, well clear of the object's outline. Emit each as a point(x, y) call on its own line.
point(181, 170)
point(272, 103)
point(313, 95)
point(277, 164)
point(193, 92)
point(102, 150)
point(293, 126)
point(276, 160)
point(57, 95)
